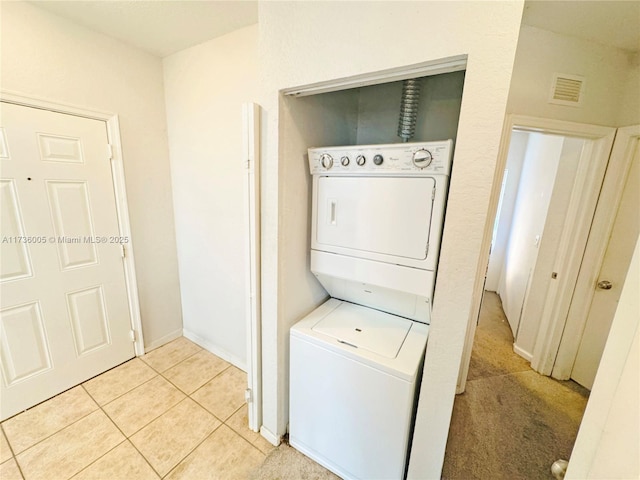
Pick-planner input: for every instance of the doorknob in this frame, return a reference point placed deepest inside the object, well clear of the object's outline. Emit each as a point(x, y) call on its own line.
point(605, 285)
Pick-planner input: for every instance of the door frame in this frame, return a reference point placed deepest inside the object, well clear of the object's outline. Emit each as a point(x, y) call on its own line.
point(569, 256)
point(253, 302)
point(117, 173)
point(621, 158)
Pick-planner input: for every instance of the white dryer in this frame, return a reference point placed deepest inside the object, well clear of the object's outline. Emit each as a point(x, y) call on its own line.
point(355, 361)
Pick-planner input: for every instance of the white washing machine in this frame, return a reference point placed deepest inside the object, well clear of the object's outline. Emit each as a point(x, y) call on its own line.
point(356, 361)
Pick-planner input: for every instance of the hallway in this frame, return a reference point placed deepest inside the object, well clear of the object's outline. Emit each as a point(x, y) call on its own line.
point(511, 423)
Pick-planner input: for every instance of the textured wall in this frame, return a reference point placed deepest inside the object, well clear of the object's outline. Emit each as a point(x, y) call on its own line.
point(205, 87)
point(48, 57)
point(611, 89)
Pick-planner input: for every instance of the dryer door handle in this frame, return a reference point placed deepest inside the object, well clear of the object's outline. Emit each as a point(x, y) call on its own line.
point(333, 205)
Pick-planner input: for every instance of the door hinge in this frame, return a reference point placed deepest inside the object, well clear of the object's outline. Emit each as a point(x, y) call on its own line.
point(132, 335)
point(248, 397)
point(109, 151)
point(123, 251)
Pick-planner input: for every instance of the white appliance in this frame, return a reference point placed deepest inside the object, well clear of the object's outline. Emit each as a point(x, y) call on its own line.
point(377, 216)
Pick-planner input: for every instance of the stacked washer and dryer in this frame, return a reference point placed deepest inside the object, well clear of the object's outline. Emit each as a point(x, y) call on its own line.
point(356, 360)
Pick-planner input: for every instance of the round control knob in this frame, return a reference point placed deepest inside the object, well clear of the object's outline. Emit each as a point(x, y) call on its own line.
point(326, 160)
point(360, 160)
point(422, 158)
point(344, 161)
point(378, 159)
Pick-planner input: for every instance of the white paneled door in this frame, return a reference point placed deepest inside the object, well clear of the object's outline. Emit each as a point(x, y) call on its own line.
point(608, 285)
point(64, 314)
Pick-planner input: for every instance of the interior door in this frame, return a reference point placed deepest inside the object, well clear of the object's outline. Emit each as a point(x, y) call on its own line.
point(613, 271)
point(64, 314)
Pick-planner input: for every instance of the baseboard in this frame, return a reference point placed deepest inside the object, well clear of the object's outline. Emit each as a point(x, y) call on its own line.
point(270, 436)
point(523, 353)
point(216, 350)
point(163, 340)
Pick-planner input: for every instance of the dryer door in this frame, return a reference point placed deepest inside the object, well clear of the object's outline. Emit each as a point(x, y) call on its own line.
point(382, 218)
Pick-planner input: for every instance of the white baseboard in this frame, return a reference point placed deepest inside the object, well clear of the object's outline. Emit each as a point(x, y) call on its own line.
point(523, 353)
point(216, 350)
point(161, 341)
point(272, 438)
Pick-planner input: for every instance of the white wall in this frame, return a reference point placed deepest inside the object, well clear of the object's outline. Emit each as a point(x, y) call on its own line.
point(529, 214)
point(205, 87)
point(608, 87)
point(608, 441)
point(515, 159)
point(363, 37)
point(46, 56)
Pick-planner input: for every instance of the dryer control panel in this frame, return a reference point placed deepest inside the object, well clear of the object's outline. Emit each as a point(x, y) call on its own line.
point(402, 159)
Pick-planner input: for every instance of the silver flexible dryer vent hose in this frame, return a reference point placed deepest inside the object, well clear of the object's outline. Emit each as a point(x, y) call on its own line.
point(409, 108)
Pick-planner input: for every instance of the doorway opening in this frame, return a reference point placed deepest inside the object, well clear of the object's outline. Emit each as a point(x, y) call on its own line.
point(541, 169)
point(595, 226)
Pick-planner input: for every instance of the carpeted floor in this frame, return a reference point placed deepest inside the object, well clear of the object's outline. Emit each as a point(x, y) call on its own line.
point(511, 423)
point(286, 463)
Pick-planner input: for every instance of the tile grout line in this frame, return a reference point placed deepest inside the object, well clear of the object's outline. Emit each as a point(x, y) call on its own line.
point(206, 409)
point(57, 431)
point(234, 430)
point(122, 394)
point(155, 418)
point(150, 421)
point(193, 449)
point(160, 374)
point(143, 457)
point(201, 386)
point(97, 459)
point(222, 422)
point(13, 455)
point(175, 364)
point(126, 439)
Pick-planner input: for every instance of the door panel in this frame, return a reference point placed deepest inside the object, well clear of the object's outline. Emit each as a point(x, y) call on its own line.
point(88, 319)
point(15, 262)
point(626, 229)
point(25, 350)
point(70, 212)
point(64, 311)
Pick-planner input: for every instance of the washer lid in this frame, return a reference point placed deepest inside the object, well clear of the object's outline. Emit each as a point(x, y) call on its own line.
point(366, 328)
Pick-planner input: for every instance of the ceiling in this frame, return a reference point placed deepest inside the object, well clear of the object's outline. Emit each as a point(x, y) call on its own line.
point(158, 27)
point(613, 23)
point(163, 27)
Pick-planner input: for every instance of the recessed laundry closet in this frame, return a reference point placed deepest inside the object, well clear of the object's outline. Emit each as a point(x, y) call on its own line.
point(372, 168)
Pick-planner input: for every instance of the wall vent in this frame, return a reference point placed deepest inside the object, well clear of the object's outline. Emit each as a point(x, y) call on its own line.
point(567, 90)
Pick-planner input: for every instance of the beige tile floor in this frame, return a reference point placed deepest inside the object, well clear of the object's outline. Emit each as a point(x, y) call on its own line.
point(178, 413)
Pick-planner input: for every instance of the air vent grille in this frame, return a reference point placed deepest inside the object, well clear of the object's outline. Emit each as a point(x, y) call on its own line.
point(567, 90)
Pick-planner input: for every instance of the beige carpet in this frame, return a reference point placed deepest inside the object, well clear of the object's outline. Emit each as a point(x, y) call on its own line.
point(511, 423)
point(286, 463)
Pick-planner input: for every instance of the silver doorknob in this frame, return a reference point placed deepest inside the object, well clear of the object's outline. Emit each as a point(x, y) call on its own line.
point(605, 285)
